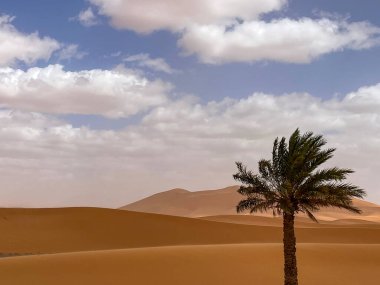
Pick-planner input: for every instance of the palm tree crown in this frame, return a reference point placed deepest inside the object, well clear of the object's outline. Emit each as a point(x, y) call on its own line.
point(291, 182)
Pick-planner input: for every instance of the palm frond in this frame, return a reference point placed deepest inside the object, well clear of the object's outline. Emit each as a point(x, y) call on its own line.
point(338, 195)
point(292, 181)
point(311, 216)
point(255, 205)
point(243, 175)
point(265, 169)
point(308, 209)
point(252, 183)
point(308, 181)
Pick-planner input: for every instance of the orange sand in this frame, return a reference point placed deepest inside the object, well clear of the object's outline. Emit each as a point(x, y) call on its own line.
point(90, 246)
point(255, 264)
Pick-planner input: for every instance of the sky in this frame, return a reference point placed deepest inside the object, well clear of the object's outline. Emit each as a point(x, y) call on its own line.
point(103, 102)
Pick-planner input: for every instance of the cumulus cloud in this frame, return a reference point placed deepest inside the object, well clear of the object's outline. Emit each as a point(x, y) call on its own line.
point(284, 40)
point(86, 17)
point(144, 60)
point(70, 51)
point(183, 143)
point(19, 47)
point(145, 16)
point(220, 31)
point(111, 93)
point(366, 99)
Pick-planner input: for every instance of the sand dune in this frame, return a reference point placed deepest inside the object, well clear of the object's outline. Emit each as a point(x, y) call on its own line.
point(301, 222)
point(93, 246)
point(188, 265)
point(85, 229)
point(180, 202)
point(78, 229)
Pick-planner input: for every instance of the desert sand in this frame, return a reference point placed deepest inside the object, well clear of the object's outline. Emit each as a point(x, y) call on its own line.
point(110, 246)
point(213, 264)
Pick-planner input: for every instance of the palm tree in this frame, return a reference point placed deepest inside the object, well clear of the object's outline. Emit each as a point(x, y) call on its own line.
point(291, 183)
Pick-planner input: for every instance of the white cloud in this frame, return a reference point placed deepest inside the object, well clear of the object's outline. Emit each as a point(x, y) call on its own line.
point(144, 60)
point(365, 99)
point(180, 144)
point(70, 51)
point(87, 18)
point(145, 16)
point(220, 31)
point(111, 93)
point(28, 48)
point(284, 40)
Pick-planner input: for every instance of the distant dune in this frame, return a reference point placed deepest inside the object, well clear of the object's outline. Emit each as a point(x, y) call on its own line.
point(180, 202)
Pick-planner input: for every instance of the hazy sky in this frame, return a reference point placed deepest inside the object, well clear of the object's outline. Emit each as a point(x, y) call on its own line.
point(103, 102)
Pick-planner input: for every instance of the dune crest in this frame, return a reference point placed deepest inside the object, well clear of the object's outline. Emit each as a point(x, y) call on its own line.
point(36, 231)
point(222, 202)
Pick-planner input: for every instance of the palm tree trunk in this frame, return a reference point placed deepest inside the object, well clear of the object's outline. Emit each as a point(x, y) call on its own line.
point(290, 260)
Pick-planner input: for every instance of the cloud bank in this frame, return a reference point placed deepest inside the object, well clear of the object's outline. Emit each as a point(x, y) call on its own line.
point(110, 93)
point(146, 16)
point(181, 143)
point(222, 31)
point(284, 40)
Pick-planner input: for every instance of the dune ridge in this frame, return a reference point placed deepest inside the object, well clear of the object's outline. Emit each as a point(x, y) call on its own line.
point(84, 229)
point(301, 222)
point(222, 202)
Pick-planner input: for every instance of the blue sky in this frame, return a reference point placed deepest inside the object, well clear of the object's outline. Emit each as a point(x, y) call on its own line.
point(194, 84)
point(339, 72)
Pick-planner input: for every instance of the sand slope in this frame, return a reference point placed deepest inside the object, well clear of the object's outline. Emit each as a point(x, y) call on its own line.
point(180, 202)
point(301, 222)
point(255, 264)
point(85, 229)
point(93, 246)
